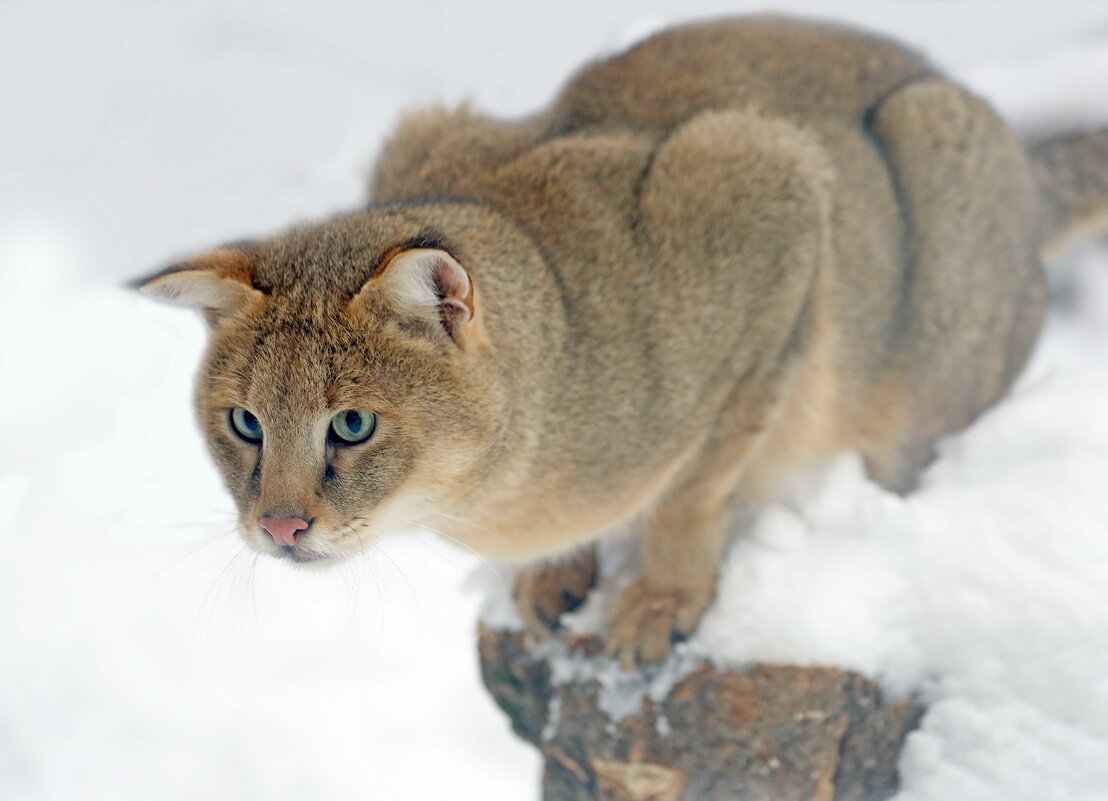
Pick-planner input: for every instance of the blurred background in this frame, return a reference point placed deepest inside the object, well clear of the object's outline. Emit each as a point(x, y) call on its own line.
point(143, 653)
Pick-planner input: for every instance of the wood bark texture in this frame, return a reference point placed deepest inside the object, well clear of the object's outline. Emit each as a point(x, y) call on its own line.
point(763, 733)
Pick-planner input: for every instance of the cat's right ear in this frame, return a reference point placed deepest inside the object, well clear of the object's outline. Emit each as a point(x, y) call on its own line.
point(217, 284)
point(428, 284)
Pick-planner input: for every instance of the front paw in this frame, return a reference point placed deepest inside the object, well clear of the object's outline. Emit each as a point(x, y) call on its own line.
point(650, 619)
point(545, 592)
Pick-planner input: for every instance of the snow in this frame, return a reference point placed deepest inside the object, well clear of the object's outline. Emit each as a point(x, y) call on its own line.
point(145, 655)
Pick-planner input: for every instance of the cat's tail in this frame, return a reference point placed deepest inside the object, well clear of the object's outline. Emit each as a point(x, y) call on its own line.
point(1072, 173)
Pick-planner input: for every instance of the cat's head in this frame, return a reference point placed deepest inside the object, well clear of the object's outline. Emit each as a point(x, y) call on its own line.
point(345, 392)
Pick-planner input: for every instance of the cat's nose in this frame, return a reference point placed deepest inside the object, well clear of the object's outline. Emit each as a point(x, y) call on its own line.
point(284, 530)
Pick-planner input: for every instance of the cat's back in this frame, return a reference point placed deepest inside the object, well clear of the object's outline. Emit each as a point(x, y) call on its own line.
point(822, 75)
point(777, 64)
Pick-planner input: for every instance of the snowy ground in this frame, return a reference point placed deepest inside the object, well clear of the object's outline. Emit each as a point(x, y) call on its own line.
point(144, 656)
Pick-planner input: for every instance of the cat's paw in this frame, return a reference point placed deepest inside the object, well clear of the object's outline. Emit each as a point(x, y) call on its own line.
point(545, 592)
point(650, 619)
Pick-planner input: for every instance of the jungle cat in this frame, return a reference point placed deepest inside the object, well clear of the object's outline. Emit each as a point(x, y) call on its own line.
point(733, 250)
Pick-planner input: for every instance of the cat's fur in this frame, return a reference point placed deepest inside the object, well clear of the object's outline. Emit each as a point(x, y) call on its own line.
point(733, 250)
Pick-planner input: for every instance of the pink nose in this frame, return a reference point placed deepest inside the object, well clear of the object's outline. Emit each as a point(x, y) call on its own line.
point(283, 529)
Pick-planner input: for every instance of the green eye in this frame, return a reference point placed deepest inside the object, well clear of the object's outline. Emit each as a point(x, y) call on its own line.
point(350, 427)
point(246, 425)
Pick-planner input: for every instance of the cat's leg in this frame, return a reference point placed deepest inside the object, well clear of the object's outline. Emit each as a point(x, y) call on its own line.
point(682, 545)
point(545, 591)
point(975, 291)
point(743, 202)
point(683, 534)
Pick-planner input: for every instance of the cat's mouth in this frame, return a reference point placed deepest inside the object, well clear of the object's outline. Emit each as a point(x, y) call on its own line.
point(290, 538)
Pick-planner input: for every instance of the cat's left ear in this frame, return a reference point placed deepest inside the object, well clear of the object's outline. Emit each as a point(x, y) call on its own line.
point(217, 284)
point(429, 285)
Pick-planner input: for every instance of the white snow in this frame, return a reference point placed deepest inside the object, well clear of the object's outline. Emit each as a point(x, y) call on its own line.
point(143, 655)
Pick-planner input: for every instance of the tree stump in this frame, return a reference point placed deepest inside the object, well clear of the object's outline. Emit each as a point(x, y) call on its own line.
point(762, 733)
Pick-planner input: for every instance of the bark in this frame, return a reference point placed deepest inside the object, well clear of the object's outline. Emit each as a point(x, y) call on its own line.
point(763, 733)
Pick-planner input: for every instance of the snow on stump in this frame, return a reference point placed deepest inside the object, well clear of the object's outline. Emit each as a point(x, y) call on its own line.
point(765, 733)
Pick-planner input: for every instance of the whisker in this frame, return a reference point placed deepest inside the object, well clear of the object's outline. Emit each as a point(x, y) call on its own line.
point(366, 563)
point(350, 570)
point(376, 549)
point(411, 590)
point(194, 522)
point(480, 556)
point(375, 582)
point(461, 520)
point(192, 550)
point(254, 593)
point(214, 591)
point(237, 591)
point(352, 567)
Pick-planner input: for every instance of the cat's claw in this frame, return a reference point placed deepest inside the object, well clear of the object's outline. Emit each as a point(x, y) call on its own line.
point(650, 619)
point(545, 592)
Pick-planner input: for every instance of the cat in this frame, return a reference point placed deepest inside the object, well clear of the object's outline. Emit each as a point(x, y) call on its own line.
point(738, 248)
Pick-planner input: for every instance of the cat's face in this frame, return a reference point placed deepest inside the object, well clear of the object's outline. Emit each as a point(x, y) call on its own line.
point(339, 406)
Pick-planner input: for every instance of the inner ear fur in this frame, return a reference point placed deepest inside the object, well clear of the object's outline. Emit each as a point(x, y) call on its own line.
point(430, 285)
point(217, 283)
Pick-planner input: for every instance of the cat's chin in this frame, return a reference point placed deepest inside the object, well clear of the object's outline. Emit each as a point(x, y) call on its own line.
point(303, 558)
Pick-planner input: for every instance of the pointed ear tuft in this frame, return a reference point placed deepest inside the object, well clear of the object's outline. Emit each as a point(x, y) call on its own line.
point(427, 284)
point(217, 283)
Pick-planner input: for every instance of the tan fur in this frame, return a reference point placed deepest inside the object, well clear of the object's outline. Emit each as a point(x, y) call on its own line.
point(1072, 172)
point(737, 249)
point(806, 427)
